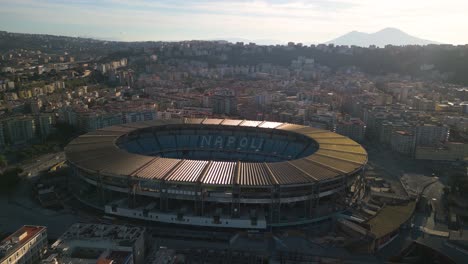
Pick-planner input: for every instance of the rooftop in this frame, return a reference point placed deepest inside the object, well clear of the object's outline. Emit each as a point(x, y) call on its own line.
point(16, 240)
point(336, 155)
point(404, 133)
point(390, 218)
point(95, 234)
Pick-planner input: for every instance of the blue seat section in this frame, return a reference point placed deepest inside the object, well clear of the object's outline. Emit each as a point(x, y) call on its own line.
point(230, 143)
point(268, 146)
point(255, 157)
point(170, 154)
point(194, 141)
point(238, 156)
point(148, 143)
point(183, 141)
point(133, 146)
point(202, 154)
point(308, 150)
point(292, 149)
point(219, 145)
point(222, 155)
point(167, 141)
point(190, 155)
point(279, 146)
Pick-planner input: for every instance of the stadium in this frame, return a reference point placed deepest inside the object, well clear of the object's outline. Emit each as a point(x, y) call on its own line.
point(217, 172)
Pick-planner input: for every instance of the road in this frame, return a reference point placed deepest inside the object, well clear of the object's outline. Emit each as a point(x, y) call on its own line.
point(44, 162)
point(20, 208)
point(434, 194)
point(393, 167)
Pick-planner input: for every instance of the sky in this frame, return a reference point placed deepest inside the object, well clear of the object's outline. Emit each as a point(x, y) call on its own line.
point(268, 21)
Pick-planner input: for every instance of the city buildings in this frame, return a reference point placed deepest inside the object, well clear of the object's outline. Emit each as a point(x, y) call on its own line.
point(449, 151)
point(353, 128)
point(99, 243)
point(223, 176)
point(45, 124)
point(27, 245)
point(224, 102)
point(431, 135)
point(20, 129)
point(403, 142)
point(87, 120)
point(26, 128)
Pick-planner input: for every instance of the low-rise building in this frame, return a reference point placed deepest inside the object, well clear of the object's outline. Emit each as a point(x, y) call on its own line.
point(19, 129)
point(46, 122)
point(224, 102)
point(100, 243)
point(26, 245)
point(431, 135)
point(90, 121)
point(2, 137)
point(450, 151)
point(353, 128)
point(403, 142)
point(139, 115)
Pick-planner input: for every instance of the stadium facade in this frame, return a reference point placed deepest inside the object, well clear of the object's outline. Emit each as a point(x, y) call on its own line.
point(217, 172)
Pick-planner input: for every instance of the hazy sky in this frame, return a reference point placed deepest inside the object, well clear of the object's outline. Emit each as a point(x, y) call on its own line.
point(308, 21)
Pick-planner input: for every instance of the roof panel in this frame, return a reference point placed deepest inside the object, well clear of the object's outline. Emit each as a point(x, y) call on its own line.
point(231, 122)
point(118, 128)
point(135, 125)
point(95, 162)
point(79, 156)
point(344, 148)
point(289, 127)
point(152, 123)
point(336, 141)
point(253, 174)
point(170, 121)
point(335, 164)
point(101, 132)
point(157, 169)
point(313, 132)
point(315, 171)
point(212, 121)
point(359, 158)
point(193, 120)
point(92, 140)
point(308, 130)
point(250, 123)
point(126, 163)
point(188, 171)
point(286, 173)
point(73, 149)
point(327, 134)
point(220, 173)
point(267, 124)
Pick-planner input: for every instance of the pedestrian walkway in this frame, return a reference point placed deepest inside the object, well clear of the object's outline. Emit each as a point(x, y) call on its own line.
point(434, 232)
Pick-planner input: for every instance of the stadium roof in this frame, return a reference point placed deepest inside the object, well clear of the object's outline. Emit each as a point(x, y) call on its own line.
point(97, 152)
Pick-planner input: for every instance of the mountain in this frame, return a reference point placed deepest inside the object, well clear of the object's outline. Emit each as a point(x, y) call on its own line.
point(380, 38)
point(246, 41)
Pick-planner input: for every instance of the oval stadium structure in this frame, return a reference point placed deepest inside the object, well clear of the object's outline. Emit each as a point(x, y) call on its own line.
point(217, 172)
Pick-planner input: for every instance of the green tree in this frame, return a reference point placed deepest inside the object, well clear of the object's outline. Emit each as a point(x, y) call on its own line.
point(9, 179)
point(3, 162)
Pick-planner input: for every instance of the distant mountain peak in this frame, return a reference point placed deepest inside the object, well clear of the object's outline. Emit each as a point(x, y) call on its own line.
point(391, 29)
point(381, 38)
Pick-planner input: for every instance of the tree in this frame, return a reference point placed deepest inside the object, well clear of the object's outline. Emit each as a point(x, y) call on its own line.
point(9, 179)
point(458, 183)
point(3, 162)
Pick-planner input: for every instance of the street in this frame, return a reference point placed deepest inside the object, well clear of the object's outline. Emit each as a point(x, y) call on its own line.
point(33, 167)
